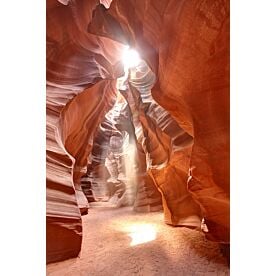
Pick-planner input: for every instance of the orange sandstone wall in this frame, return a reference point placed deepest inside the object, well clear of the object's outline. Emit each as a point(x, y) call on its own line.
point(80, 90)
point(186, 44)
point(191, 41)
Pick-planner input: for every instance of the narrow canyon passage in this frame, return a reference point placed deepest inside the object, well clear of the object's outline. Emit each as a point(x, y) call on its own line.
point(122, 242)
point(137, 118)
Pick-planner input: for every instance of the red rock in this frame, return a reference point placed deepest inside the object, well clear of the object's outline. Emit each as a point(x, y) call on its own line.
point(182, 138)
point(192, 42)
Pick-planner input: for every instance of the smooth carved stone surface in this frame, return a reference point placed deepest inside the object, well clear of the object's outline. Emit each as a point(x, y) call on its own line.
point(97, 170)
point(166, 147)
point(76, 61)
point(182, 137)
point(179, 207)
point(191, 39)
point(107, 155)
point(76, 57)
point(80, 119)
point(114, 143)
point(63, 213)
point(75, 127)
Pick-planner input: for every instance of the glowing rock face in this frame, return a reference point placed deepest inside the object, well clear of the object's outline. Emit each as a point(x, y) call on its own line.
point(187, 47)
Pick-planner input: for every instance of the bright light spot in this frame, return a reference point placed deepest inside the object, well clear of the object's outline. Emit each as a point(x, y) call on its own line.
point(142, 233)
point(130, 58)
point(121, 83)
point(129, 159)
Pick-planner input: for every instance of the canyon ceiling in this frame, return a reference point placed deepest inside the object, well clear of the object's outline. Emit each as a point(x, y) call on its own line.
point(174, 112)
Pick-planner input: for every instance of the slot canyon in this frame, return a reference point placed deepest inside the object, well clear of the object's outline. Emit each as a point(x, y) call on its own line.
point(138, 137)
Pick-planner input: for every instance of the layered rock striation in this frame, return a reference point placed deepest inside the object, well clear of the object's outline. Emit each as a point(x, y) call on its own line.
point(175, 112)
point(186, 44)
point(80, 90)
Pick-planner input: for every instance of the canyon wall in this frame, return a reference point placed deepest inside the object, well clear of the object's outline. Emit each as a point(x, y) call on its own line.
point(180, 112)
point(80, 90)
point(186, 43)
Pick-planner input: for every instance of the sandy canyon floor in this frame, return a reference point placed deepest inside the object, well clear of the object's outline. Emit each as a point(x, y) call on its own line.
point(122, 242)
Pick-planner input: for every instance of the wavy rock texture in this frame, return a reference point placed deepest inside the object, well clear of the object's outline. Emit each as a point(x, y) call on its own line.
point(191, 41)
point(113, 151)
point(181, 124)
point(79, 93)
point(166, 147)
point(63, 215)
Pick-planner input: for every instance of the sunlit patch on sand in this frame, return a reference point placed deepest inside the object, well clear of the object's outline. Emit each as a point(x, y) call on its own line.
point(141, 233)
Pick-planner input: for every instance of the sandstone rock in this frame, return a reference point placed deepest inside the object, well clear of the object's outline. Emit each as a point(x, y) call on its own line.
point(191, 40)
point(179, 111)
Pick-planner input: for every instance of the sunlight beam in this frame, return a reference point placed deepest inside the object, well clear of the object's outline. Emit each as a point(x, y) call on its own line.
point(130, 58)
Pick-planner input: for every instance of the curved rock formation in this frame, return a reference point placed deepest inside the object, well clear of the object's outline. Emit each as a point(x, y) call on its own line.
point(165, 145)
point(76, 60)
point(179, 110)
point(191, 39)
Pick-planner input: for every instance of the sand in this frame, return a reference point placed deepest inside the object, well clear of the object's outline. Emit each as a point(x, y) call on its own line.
point(122, 242)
